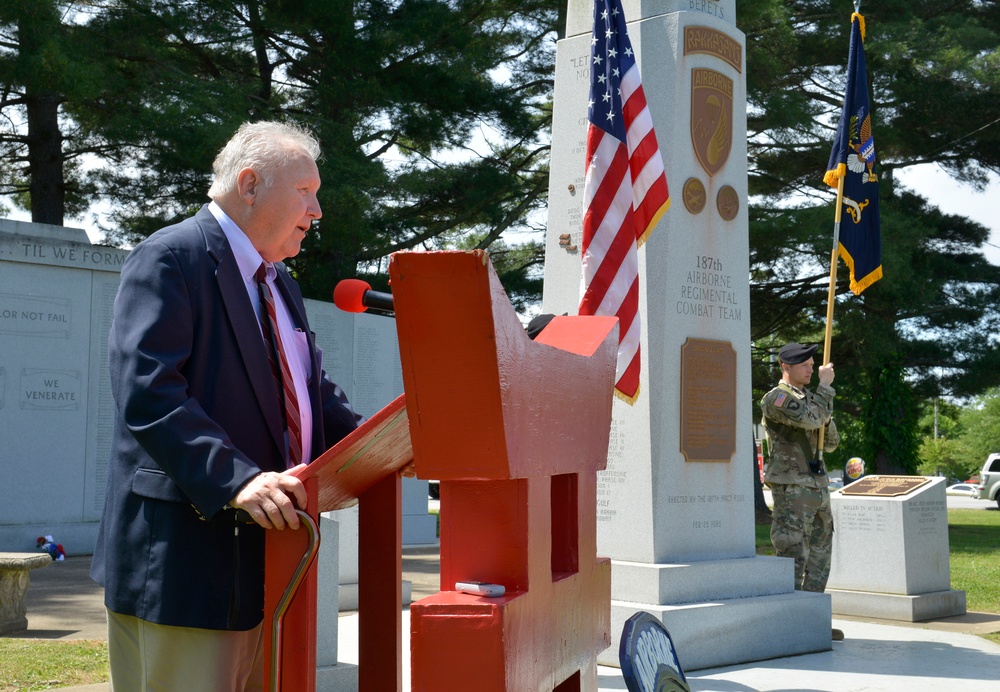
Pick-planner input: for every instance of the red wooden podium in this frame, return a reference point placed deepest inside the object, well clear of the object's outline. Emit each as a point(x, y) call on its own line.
point(363, 467)
point(516, 431)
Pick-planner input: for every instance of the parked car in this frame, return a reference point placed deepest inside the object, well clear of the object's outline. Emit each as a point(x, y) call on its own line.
point(989, 479)
point(835, 484)
point(963, 489)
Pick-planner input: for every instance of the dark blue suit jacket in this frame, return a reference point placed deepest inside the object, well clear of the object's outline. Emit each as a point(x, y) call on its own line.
point(198, 415)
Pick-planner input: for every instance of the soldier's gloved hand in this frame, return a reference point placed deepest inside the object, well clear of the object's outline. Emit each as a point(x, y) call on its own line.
point(826, 374)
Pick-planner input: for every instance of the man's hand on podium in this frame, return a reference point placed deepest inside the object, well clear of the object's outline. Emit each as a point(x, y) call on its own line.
point(271, 498)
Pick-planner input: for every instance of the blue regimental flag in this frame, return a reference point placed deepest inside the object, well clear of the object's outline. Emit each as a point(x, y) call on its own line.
point(853, 158)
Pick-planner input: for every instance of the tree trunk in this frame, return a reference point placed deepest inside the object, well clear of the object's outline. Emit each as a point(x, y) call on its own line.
point(45, 160)
point(38, 29)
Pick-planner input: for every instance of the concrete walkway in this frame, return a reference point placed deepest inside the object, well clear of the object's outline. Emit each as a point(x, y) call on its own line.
point(63, 604)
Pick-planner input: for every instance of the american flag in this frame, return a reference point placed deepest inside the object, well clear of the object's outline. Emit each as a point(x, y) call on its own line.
point(626, 188)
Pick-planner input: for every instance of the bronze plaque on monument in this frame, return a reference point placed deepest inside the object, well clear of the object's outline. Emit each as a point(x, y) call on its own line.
point(885, 486)
point(693, 194)
point(708, 400)
point(711, 118)
point(728, 203)
point(702, 39)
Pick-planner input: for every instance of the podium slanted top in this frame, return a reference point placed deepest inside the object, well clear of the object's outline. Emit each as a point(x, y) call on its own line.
point(380, 446)
point(485, 401)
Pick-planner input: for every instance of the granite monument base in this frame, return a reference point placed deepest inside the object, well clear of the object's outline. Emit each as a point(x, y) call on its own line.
point(331, 675)
point(721, 612)
point(349, 595)
point(889, 606)
point(347, 567)
point(341, 677)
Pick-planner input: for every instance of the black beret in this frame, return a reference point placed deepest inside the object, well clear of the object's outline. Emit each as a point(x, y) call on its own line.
point(537, 324)
point(793, 354)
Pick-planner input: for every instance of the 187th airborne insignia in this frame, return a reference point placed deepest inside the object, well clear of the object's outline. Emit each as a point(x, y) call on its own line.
point(711, 118)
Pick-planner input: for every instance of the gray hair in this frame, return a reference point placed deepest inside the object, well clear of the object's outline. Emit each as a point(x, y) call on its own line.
point(262, 146)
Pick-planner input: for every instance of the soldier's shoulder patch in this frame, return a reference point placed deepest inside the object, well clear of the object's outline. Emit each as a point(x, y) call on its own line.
point(781, 398)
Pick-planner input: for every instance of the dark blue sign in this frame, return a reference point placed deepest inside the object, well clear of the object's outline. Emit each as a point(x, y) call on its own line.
point(648, 658)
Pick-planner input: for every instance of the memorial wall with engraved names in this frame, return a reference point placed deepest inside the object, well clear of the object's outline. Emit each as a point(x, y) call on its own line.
point(56, 410)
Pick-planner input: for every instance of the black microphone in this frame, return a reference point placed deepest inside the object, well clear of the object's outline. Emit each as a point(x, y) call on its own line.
point(355, 295)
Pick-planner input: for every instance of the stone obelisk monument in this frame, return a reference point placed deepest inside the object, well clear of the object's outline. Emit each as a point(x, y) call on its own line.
point(675, 505)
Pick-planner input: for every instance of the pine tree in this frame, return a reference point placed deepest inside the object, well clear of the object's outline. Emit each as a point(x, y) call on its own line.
point(935, 94)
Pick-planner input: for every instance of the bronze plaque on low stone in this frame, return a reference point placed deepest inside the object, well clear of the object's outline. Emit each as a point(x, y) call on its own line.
point(885, 486)
point(708, 400)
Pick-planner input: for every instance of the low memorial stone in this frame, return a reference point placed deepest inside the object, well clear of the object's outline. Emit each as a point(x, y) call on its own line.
point(890, 550)
point(56, 410)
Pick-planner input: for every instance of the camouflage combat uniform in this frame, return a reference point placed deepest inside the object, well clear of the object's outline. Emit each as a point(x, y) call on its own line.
point(802, 523)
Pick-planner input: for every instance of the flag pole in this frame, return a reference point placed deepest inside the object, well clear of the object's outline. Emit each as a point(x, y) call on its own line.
point(839, 169)
point(832, 291)
point(831, 295)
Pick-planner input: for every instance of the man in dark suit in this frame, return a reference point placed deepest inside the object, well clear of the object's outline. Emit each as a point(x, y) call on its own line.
point(219, 390)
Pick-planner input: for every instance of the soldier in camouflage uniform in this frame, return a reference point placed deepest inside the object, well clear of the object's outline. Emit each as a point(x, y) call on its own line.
point(802, 523)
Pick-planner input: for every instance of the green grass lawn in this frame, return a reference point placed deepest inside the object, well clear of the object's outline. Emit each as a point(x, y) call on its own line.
point(32, 664)
point(974, 540)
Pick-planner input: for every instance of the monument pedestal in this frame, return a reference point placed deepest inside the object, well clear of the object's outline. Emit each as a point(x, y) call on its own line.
point(732, 631)
point(722, 612)
point(331, 674)
point(888, 606)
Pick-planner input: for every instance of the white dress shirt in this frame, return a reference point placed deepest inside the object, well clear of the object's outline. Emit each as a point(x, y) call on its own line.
point(293, 339)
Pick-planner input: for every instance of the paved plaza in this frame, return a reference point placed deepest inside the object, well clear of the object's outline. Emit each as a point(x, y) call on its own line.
point(64, 604)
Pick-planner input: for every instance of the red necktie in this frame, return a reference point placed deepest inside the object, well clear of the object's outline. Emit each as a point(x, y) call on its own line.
point(279, 368)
